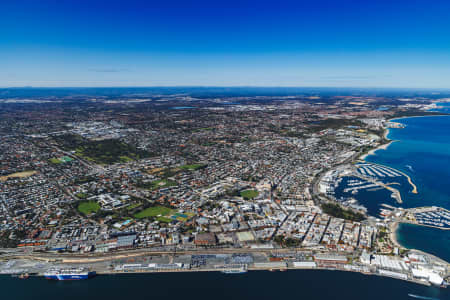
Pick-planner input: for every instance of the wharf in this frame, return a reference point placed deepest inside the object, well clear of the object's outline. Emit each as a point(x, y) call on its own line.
point(259, 269)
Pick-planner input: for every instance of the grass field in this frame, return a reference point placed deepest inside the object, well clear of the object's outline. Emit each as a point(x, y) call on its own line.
point(87, 208)
point(163, 214)
point(249, 194)
point(157, 184)
point(55, 161)
point(104, 152)
point(155, 211)
point(164, 219)
point(133, 206)
point(63, 159)
point(125, 159)
point(193, 167)
point(18, 175)
point(337, 211)
point(81, 195)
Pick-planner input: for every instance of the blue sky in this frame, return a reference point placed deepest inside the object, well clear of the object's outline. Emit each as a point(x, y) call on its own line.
point(382, 43)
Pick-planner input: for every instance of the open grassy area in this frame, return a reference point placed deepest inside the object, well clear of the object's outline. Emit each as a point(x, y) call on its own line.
point(249, 194)
point(163, 183)
point(125, 159)
point(164, 219)
point(337, 211)
point(81, 195)
point(63, 159)
point(193, 167)
point(55, 161)
point(164, 172)
point(133, 206)
point(154, 211)
point(18, 175)
point(163, 214)
point(101, 152)
point(88, 207)
point(157, 184)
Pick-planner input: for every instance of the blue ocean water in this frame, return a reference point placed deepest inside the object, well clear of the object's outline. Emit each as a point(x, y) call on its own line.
point(298, 284)
point(422, 150)
point(431, 240)
point(368, 198)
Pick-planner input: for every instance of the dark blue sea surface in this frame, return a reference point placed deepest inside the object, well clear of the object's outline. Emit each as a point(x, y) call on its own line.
point(431, 240)
point(299, 284)
point(368, 198)
point(422, 150)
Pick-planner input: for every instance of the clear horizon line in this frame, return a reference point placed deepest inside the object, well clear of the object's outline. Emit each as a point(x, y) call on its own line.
point(223, 86)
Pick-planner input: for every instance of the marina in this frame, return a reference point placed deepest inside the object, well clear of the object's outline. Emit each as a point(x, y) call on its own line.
point(433, 216)
point(379, 172)
point(422, 150)
point(351, 184)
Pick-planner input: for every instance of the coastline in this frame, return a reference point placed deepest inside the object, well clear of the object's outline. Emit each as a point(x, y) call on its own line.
point(394, 239)
point(411, 117)
point(380, 147)
point(252, 269)
point(393, 234)
point(309, 281)
point(394, 226)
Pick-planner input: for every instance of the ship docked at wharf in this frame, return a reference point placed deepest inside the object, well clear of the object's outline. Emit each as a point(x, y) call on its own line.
point(69, 274)
point(235, 271)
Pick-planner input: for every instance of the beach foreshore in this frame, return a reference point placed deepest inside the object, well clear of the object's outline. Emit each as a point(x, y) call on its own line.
point(372, 152)
point(380, 147)
point(393, 234)
point(424, 116)
point(393, 226)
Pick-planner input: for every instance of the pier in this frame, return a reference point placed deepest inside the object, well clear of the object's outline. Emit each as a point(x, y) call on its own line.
point(373, 170)
point(374, 182)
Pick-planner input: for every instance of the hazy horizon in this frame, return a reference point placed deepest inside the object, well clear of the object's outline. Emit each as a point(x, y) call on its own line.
point(229, 86)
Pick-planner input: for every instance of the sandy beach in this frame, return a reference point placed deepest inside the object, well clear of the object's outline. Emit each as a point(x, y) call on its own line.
point(381, 147)
point(393, 234)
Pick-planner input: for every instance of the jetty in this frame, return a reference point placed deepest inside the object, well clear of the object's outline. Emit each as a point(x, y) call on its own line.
point(377, 170)
point(396, 193)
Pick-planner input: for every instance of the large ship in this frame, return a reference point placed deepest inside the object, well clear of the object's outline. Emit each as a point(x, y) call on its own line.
point(69, 274)
point(235, 271)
